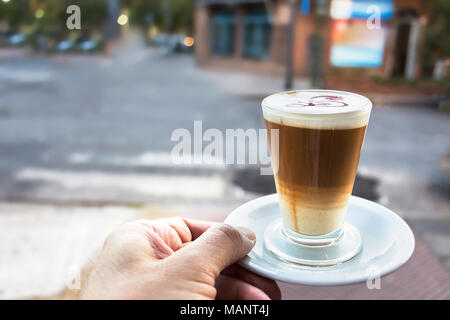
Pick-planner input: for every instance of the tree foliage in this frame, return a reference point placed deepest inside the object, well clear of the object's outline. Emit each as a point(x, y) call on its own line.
point(16, 13)
point(437, 34)
point(183, 13)
point(168, 15)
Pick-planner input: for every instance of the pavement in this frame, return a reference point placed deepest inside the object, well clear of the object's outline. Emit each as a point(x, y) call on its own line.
point(86, 142)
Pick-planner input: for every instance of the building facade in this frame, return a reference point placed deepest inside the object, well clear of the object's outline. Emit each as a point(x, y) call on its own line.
point(376, 37)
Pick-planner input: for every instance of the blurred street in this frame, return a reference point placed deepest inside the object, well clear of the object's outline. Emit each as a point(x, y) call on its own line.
point(92, 136)
point(67, 121)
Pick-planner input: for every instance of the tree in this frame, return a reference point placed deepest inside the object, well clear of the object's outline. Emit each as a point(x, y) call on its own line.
point(47, 17)
point(144, 13)
point(169, 15)
point(93, 14)
point(16, 13)
point(437, 35)
point(183, 15)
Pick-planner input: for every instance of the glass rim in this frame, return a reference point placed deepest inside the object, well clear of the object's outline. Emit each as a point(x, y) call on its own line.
point(366, 106)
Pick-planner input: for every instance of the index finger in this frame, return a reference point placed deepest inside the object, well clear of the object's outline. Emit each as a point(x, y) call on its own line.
point(197, 227)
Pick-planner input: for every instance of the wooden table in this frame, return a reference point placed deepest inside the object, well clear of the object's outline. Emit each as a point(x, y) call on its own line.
point(422, 277)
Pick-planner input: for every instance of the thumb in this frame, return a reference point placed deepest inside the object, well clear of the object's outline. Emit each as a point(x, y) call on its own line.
point(218, 247)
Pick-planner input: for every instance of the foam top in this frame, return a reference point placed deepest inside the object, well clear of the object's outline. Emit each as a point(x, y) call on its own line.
point(317, 108)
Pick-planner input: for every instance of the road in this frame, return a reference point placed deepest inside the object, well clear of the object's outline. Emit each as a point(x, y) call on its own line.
point(89, 131)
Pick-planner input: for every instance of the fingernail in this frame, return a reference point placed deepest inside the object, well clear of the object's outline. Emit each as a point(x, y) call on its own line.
point(249, 234)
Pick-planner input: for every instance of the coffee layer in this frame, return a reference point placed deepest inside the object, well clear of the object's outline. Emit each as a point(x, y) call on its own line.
point(311, 222)
point(313, 211)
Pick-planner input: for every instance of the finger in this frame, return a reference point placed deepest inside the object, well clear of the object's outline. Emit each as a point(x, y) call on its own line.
point(178, 225)
point(197, 227)
point(229, 288)
point(172, 232)
point(270, 287)
point(218, 247)
point(187, 229)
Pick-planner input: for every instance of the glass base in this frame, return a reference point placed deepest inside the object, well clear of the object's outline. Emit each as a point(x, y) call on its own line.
point(324, 251)
point(323, 240)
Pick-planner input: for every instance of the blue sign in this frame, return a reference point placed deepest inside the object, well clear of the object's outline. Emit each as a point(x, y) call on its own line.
point(354, 56)
point(305, 7)
point(363, 9)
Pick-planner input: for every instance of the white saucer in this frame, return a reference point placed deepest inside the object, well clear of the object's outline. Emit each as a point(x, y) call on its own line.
point(387, 243)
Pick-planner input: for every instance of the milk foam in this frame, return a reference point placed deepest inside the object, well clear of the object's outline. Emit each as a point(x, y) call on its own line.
point(318, 109)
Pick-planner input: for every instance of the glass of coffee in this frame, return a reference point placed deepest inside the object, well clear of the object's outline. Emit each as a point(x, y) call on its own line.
point(319, 138)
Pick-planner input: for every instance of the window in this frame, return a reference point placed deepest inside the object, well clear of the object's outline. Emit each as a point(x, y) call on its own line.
point(222, 33)
point(257, 33)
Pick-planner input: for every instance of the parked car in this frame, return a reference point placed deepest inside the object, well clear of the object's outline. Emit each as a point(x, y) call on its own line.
point(172, 43)
point(17, 39)
point(79, 45)
point(65, 45)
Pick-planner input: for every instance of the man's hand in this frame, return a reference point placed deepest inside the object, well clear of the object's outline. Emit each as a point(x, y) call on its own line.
point(176, 259)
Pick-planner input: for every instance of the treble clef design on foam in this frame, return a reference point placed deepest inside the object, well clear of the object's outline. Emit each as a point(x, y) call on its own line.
point(321, 101)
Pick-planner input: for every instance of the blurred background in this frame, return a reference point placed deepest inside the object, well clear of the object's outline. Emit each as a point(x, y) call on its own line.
point(86, 115)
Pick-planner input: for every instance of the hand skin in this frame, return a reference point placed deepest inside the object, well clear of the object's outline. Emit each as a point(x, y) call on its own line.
point(176, 259)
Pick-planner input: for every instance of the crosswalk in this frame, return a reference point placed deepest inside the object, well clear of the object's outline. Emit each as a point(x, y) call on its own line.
point(104, 185)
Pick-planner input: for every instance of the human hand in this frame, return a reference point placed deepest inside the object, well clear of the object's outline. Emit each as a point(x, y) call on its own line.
point(176, 259)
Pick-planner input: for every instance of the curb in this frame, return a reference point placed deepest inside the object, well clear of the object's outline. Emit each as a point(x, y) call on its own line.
point(433, 100)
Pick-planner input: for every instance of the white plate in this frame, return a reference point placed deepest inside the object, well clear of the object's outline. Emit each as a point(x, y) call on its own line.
point(387, 243)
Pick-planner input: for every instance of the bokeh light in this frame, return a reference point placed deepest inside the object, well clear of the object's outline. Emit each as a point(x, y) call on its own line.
point(39, 13)
point(188, 41)
point(122, 19)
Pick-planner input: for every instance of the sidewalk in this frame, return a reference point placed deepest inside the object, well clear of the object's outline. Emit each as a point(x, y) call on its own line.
point(249, 85)
point(417, 100)
point(258, 86)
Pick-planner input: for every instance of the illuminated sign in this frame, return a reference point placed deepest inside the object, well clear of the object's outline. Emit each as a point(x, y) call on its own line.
point(361, 9)
point(354, 44)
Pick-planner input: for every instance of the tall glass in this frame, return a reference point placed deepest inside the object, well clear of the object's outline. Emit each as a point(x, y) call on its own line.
point(320, 135)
